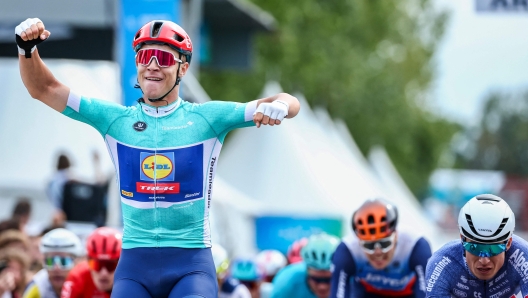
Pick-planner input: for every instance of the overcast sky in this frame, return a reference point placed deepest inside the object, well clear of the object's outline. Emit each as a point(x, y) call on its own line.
point(480, 52)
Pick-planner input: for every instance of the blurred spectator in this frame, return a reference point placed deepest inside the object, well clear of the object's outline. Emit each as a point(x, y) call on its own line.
point(75, 200)
point(14, 265)
point(22, 212)
point(56, 187)
point(14, 239)
point(60, 248)
point(10, 224)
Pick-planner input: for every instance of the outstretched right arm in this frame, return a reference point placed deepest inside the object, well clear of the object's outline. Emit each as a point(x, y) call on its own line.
point(38, 79)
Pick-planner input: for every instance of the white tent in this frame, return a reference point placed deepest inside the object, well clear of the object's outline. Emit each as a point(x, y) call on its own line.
point(380, 171)
point(273, 165)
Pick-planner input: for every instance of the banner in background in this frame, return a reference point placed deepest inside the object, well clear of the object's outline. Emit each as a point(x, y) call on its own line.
point(501, 5)
point(133, 15)
point(276, 232)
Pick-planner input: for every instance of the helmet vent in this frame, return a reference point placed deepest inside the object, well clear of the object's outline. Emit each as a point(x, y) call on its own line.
point(137, 35)
point(314, 255)
point(156, 28)
point(372, 231)
point(94, 248)
point(370, 219)
point(178, 38)
point(487, 198)
point(472, 227)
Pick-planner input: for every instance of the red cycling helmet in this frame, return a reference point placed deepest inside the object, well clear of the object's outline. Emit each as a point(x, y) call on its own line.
point(164, 32)
point(374, 220)
point(294, 251)
point(104, 244)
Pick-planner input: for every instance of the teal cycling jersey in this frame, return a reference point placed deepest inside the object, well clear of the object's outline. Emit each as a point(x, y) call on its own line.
point(165, 160)
point(292, 282)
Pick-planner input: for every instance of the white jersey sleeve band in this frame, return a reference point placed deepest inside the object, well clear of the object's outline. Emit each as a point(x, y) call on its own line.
point(74, 101)
point(251, 107)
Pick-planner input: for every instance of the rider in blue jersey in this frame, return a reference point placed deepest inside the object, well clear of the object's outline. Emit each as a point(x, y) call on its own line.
point(488, 261)
point(165, 152)
point(379, 260)
point(311, 277)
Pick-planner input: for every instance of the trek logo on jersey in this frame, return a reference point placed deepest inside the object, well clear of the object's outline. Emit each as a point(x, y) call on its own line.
point(158, 187)
point(157, 167)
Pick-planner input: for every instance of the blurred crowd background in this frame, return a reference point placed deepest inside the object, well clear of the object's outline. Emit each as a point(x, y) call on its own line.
point(422, 102)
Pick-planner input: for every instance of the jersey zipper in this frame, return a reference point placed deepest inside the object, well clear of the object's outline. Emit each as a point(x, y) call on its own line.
point(156, 211)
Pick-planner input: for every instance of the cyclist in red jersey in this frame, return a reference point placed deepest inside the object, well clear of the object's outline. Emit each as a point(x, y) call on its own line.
point(94, 278)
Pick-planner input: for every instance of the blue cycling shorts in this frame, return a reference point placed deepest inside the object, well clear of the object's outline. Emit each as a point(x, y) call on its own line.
point(165, 272)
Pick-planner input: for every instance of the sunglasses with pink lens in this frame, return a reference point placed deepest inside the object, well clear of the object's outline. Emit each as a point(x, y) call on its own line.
point(163, 58)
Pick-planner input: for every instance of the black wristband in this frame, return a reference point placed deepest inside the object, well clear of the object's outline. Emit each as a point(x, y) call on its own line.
point(27, 45)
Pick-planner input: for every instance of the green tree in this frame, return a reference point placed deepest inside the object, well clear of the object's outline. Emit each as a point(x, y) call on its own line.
point(368, 62)
point(502, 142)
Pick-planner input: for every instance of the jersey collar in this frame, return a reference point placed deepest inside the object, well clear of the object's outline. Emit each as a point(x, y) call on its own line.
point(160, 111)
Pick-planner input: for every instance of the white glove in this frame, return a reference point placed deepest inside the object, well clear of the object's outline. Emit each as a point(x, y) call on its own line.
point(275, 110)
point(21, 28)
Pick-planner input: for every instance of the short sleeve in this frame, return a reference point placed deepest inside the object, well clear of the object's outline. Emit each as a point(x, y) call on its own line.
point(97, 113)
point(224, 116)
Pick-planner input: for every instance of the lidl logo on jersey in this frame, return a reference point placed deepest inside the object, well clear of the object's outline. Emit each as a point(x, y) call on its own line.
point(157, 167)
point(170, 175)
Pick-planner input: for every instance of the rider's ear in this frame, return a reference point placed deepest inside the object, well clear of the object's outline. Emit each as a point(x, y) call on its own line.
point(509, 243)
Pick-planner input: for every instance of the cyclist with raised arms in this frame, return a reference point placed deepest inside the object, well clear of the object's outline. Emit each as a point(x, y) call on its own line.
point(165, 152)
point(379, 260)
point(60, 248)
point(487, 261)
point(311, 277)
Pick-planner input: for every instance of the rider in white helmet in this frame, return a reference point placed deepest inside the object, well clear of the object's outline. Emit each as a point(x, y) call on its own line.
point(487, 261)
point(60, 248)
point(228, 287)
point(272, 261)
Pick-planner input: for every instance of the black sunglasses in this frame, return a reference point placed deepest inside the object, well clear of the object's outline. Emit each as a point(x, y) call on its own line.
point(320, 280)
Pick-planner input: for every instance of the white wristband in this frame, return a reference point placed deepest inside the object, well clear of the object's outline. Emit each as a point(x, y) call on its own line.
point(22, 52)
